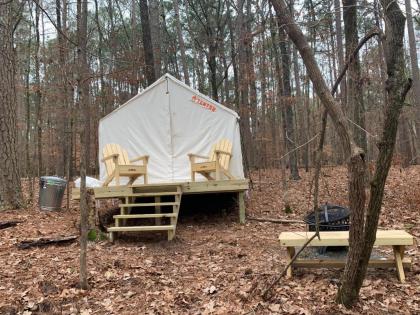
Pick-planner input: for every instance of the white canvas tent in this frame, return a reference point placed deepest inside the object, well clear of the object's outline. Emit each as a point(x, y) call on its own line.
point(167, 121)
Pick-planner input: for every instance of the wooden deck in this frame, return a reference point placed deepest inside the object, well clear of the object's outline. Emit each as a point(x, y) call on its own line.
point(205, 187)
point(136, 196)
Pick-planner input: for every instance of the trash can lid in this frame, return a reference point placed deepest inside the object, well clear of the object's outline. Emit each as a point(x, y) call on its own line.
point(53, 179)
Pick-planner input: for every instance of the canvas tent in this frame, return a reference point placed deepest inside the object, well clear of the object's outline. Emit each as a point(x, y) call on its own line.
point(167, 121)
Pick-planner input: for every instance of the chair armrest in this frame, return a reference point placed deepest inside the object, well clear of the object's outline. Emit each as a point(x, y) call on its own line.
point(222, 152)
point(112, 156)
point(145, 159)
point(197, 155)
point(194, 156)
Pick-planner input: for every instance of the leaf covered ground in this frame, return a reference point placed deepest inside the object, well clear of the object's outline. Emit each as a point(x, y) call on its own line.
point(214, 265)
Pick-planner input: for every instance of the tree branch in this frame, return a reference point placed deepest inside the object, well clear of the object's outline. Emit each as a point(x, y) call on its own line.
point(406, 88)
point(266, 292)
point(279, 221)
point(318, 157)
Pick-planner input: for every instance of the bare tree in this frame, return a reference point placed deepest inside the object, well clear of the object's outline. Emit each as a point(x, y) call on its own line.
point(38, 94)
point(363, 224)
point(354, 82)
point(147, 43)
point(288, 103)
point(10, 188)
point(340, 50)
point(397, 86)
point(134, 45)
point(83, 93)
point(154, 11)
point(243, 72)
point(181, 43)
point(207, 30)
point(415, 73)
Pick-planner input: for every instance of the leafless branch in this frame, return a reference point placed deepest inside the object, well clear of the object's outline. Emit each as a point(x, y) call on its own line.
point(280, 221)
point(266, 292)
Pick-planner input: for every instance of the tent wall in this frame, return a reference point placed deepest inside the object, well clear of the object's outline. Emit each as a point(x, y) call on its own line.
point(196, 128)
point(166, 123)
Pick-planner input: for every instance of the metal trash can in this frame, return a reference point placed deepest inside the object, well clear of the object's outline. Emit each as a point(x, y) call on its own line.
point(51, 192)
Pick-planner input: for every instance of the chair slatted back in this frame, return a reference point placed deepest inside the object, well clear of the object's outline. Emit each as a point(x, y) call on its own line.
point(224, 159)
point(110, 149)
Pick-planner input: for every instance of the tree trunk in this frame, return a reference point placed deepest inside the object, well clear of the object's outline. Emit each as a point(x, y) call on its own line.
point(38, 95)
point(134, 80)
point(165, 40)
point(354, 81)
point(233, 56)
point(404, 139)
point(263, 118)
point(64, 96)
point(155, 36)
point(147, 43)
point(252, 82)
point(354, 155)
point(278, 40)
point(416, 76)
point(243, 82)
point(212, 63)
point(362, 237)
point(200, 72)
point(83, 91)
point(340, 50)
point(288, 103)
point(397, 87)
point(29, 165)
point(181, 43)
point(10, 186)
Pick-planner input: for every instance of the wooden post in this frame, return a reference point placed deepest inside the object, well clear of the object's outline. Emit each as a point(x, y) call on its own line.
point(290, 255)
point(399, 255)
point(117, 175)
point(218, 166)
point(241, 202)
point(125, 210)
point(158, 221)
point(171, 233)
point(192, 160)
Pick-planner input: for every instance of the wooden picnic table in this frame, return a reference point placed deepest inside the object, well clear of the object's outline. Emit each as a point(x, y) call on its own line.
point(398, 239)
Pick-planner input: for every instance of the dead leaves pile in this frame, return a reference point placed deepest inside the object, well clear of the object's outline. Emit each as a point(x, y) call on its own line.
point(214, 265)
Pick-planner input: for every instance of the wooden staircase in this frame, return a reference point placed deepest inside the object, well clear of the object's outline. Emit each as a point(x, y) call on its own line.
point(145, 199)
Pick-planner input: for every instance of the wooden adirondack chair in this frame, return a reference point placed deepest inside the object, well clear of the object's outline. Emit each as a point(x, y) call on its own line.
point(217, 161)
point(118, 165)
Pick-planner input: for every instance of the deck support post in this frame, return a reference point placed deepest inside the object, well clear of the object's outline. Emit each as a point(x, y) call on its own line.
point(241, 202)
point(158, 209)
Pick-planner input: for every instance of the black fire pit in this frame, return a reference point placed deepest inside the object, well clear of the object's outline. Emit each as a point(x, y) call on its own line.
point(331, 218)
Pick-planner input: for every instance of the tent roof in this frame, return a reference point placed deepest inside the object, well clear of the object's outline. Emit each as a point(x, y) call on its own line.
point(181, 84)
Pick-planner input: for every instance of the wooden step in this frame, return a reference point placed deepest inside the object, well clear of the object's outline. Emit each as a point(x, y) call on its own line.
point(141, 228)
point(154, 194)
point(153, 188)
point(145, 216)
point(148, 204)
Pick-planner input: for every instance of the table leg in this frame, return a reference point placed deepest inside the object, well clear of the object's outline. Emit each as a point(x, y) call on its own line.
point(290, 255)
point(399, 254)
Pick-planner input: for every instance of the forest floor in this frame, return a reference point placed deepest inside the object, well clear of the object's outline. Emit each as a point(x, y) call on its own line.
point(213, 266)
